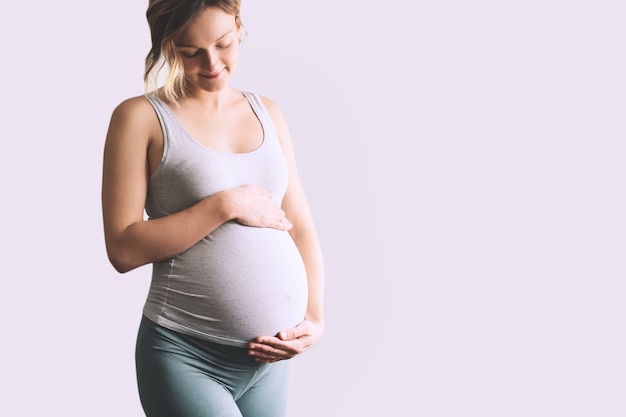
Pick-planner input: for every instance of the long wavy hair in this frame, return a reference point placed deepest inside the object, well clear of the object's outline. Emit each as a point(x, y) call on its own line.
point(167, 19)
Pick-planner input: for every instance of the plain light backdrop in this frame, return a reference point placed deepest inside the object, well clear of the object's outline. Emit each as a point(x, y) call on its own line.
point(465, 165)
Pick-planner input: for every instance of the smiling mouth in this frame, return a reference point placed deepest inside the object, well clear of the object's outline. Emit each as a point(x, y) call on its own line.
point(213, 75)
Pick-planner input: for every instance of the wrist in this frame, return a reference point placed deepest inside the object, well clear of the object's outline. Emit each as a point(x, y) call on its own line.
point(223, 206)
point(318, 321)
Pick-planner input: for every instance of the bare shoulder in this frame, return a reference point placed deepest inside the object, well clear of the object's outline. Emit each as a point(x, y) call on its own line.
point(137, 108)
point(134, 117)
point(269, 103)
point(275, 113)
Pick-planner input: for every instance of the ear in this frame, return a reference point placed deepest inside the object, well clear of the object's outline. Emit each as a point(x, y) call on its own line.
point(240, 29)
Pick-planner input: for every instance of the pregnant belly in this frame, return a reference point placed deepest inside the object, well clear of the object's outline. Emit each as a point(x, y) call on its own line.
point(236, 284)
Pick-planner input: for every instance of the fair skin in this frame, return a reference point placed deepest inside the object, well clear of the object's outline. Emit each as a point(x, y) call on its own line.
point(220, 118)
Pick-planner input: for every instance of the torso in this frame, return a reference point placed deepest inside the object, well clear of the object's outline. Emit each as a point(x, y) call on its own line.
point(239, 282)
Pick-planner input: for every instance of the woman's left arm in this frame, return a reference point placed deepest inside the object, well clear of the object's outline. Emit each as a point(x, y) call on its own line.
point(291, 342)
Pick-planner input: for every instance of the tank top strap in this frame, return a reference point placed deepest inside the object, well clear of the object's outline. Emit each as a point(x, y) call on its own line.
point(172, 129)
point(259, 108)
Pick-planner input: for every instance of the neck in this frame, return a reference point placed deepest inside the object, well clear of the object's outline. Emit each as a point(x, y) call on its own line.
point(211, 100)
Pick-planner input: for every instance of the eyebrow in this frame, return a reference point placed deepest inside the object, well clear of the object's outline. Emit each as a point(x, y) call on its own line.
point(193, 46)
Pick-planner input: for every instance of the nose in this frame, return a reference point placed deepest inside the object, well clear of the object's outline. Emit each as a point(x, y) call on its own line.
point(210, 60)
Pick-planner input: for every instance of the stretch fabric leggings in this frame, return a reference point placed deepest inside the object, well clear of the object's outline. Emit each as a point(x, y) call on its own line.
point(183, 376)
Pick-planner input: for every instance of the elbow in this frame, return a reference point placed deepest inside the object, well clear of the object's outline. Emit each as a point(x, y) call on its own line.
point(121, 266)
point(123, 254)
point(120, 260)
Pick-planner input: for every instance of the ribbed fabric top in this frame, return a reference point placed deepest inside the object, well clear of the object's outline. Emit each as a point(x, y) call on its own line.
point(238, 282)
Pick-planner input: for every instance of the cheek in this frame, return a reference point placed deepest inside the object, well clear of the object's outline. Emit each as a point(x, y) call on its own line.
point(232, 56)
point(232, 62)
point(191, 65)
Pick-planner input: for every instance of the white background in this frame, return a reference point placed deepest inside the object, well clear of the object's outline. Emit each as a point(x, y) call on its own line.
point(465, 165)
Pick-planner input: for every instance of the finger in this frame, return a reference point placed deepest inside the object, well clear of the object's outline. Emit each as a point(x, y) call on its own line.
point(261, 355)
point(281, 223)
point(272, 346)
point(284, 348)
point(269, 347)
point(286, 224)
point(295, 332)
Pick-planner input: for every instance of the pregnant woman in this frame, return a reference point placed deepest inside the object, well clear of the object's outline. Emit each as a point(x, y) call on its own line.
point(237, 281)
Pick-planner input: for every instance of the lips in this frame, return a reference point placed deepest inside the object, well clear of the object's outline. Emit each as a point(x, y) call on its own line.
point(213, 75)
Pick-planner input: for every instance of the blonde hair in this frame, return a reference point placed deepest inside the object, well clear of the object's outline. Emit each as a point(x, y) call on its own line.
point(167, 19)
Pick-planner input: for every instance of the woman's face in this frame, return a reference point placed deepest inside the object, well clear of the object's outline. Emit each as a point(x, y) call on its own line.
point(209, 47)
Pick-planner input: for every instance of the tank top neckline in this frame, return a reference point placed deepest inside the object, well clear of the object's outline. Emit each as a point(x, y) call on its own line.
point(192, 139)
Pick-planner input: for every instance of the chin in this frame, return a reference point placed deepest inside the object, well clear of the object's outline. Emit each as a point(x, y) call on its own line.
point(213, 85)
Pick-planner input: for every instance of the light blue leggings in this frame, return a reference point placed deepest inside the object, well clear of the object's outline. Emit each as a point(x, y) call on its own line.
point(183, 376)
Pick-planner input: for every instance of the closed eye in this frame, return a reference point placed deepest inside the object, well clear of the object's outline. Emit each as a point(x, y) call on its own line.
point(224, 46)
point(189, 54)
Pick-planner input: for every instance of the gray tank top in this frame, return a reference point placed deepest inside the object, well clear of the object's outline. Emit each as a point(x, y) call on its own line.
point(238, 282)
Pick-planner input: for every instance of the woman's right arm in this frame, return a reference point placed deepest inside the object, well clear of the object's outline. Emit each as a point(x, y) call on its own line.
point(132, 241)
